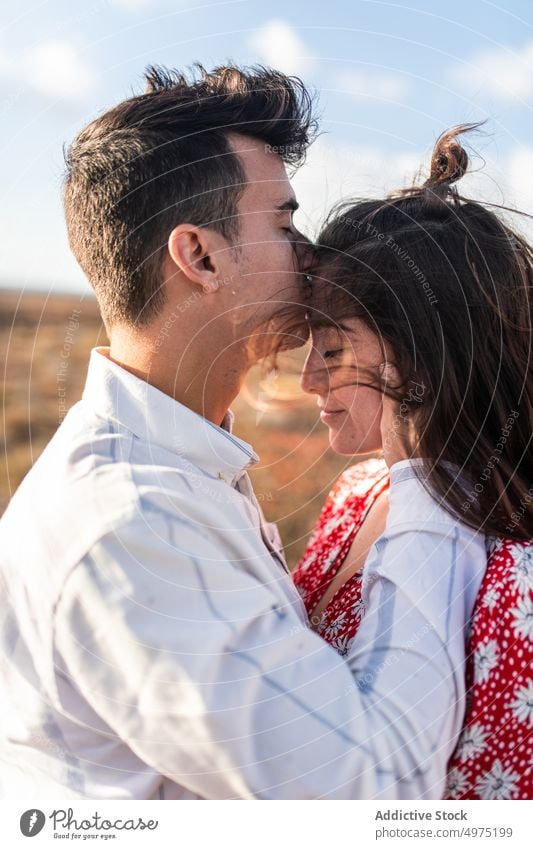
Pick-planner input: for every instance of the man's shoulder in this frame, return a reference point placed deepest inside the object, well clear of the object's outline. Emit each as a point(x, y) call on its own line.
point(73, 494)
point(95, 477)
point(80, 458)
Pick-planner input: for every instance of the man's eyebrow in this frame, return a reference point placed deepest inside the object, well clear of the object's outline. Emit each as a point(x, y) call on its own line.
point(290, 205)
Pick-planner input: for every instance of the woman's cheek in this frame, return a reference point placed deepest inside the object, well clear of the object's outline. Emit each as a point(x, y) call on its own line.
point(365, 420)
point(363, 403)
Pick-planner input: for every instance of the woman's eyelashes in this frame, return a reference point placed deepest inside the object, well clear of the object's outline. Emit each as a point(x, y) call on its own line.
point(331, 354)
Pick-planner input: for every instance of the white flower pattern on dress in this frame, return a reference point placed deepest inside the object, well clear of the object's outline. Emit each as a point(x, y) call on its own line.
point(456, 783)
point(336, 626)
point(485, 659)
point(522, 705)
point(342, 644)
point(471, 742)
point(498, 783)
point(491, 598)
point(522, 568)
point(493, 545)
point(523, 618)
point(358, 608)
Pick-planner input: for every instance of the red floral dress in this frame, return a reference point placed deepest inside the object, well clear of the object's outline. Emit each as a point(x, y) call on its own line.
point(493, 758)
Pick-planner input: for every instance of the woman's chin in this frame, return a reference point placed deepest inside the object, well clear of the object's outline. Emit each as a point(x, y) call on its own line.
point(348, 446)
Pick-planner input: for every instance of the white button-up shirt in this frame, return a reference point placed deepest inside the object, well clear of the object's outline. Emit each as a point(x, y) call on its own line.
point(153, 644)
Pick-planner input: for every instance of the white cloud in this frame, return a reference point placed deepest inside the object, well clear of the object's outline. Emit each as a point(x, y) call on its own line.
point(5, 63)
point(52, 68)
point(503, 72)
point(367, 84)
point(335, 171)
point(520, 171)
point(279, 46)
point(504, 179)
point(517, 188)
point(55, 69)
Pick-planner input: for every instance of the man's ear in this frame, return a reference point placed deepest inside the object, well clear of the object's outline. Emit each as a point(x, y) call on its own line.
point(194, 250)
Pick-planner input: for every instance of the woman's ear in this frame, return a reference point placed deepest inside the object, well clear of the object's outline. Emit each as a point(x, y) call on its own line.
point(390, 375)
point(194, 251)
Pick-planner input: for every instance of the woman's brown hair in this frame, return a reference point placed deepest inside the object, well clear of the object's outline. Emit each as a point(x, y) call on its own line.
point(447, 286)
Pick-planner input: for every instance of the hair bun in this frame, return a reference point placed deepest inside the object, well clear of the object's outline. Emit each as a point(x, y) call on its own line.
point(449, 161)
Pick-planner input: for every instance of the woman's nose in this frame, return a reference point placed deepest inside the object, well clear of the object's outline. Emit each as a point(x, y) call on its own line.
point(314, 378)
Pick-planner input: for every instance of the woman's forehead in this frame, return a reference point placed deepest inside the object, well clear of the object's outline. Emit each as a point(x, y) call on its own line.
point(351, 326)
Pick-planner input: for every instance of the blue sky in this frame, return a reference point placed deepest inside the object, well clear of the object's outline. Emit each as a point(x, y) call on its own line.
point(391, 76)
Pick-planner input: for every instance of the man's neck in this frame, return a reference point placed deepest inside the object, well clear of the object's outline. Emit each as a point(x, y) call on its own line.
point(206, 381)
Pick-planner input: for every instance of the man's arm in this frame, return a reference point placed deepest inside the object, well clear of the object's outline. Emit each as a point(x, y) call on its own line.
point(196, 666)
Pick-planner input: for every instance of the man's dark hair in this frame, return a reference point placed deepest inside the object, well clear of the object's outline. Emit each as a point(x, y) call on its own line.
point(163, 158)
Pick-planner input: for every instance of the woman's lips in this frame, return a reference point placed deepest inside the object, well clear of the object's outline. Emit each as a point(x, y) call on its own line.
point(328, 416)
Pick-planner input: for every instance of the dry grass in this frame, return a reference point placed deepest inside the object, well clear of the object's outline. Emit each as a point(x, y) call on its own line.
point(45, 354)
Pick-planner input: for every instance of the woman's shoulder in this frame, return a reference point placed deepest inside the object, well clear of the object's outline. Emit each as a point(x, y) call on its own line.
point(510, 562)
point(343, 508)
point(358, 480)
point(506, 588)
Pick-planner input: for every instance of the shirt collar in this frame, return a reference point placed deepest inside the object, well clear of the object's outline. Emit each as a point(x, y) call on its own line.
point(407, 469)
point(154, 417)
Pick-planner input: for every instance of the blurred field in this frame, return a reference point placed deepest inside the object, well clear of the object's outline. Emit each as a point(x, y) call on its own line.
point(45, 343)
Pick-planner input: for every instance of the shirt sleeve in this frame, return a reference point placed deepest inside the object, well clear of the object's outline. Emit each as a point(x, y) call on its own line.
point(195, 665)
